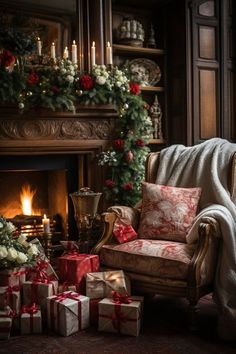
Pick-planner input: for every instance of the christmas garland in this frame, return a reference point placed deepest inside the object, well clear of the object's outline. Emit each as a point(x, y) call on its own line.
point(59, 86)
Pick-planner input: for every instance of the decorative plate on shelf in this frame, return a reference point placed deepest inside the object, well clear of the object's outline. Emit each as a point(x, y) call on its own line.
point(145, 71)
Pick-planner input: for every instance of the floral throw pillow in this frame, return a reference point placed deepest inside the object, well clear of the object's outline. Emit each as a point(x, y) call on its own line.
point(167, 212)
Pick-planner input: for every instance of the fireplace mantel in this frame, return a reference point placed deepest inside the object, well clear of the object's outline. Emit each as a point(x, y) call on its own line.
point(44, 131)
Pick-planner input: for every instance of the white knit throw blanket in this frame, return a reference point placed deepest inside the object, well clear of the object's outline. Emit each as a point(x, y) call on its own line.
point(206, 166)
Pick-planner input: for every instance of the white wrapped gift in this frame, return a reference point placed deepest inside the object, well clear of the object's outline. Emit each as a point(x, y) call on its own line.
point(68, 312)
point(101, 284)
point(115, 317)
point(31, 320)
point(5, 322)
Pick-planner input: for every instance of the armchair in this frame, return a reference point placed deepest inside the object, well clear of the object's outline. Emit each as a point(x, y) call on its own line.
point(165, 267)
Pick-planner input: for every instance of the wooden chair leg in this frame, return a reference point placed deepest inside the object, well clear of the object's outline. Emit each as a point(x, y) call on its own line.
point(193, 314)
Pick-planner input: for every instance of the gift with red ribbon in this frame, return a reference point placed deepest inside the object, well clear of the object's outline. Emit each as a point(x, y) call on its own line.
point(37, 291)
point(10, 295)
point(12, 277)
point(101, 284)
point(72, 267)
point(5, 322)
point(68, 312)
point(120, 314)
point(30, 320)
point(123, 232)
point(93, 311)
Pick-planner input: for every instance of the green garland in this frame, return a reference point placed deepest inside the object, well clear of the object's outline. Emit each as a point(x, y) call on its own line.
point(59, 86)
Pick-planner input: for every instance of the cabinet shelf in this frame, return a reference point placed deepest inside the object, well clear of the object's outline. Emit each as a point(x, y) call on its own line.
point(156, 141)
point(129, 50)
point(152, 89)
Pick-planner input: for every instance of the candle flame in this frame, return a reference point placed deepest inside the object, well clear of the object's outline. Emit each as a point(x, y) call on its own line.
point(108, 44)
point(74, 42)
point(53, 43)
point(38, 39)
point(45, 216)
point(26, 197)
point(93, 44)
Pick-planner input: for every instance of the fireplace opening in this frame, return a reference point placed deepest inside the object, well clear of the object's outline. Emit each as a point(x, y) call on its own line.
point(34, 186)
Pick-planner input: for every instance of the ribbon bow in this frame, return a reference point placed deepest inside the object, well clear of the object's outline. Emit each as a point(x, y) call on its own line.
point(124, 233)
point(70, 295)
point(12, 289)
point(40, 269)
point(29, 309)
point(119, 298)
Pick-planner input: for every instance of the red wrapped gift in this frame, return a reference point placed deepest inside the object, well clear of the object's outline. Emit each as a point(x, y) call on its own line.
point(124, 233)
point(93, 311)
point(72, 268)
point(10, 295)
point(12, 277)
point(42, 269)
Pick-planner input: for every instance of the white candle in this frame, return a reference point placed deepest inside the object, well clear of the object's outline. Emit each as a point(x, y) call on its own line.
point(46, 224)
point(74, 53)
point(109, 53)
point(93, 54)
point(53, 51)
point(66, 53)
point(39, 46)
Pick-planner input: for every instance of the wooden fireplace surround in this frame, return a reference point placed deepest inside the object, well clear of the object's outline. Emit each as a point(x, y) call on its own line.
point(85, 133)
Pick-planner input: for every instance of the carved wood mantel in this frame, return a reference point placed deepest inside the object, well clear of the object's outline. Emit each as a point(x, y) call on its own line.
point(45, 131)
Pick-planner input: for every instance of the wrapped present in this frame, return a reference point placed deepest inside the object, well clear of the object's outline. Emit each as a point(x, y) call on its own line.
point(73, 267)
point(5, 323)
point(10, 295)
point(93, 311)
point(123, 232)
point(38, 290)
point(120, 314)
point(30, 320)
point(12, 277)
point(68, 286)
point(68, 312)
point(42, 264)
point(101, 284)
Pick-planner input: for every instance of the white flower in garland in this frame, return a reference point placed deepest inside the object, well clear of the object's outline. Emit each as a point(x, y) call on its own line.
point(21, 258)
point(3, 252)
point(12, 254)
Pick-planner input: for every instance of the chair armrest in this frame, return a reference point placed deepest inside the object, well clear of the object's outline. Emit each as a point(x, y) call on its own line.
point(208, 238)
point(126, 214)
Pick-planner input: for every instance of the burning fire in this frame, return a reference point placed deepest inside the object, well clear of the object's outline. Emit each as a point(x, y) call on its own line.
point(26, 197)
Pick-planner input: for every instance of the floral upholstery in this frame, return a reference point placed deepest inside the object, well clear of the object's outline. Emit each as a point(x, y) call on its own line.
point(167, 212)
point(165, 258)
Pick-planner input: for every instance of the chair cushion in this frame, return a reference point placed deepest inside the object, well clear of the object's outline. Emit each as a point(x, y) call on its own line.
point(167, 212)
point(160, 258)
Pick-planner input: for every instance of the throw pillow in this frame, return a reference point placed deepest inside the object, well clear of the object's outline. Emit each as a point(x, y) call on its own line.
point(167, 212)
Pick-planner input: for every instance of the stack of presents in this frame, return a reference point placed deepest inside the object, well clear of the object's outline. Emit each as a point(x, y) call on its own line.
point(78, 296)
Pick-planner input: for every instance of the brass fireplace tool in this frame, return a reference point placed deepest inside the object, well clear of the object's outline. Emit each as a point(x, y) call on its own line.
point(85, 203)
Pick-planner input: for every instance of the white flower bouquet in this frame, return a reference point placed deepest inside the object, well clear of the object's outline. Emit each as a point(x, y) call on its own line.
point(15, 251)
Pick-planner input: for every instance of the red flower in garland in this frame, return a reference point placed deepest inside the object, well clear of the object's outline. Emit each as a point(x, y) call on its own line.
point(118, 144)
point(128, 187)
point(86, 82)
point(129, 156)
point(134, 88)
point(139, 143)
point(109, 183)
point(7, 59)
point(33, 79)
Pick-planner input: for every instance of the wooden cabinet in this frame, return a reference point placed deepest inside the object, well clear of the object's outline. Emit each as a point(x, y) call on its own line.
point(148, 54)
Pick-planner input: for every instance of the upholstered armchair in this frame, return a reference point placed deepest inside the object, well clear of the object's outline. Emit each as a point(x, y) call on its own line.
point(171, 266)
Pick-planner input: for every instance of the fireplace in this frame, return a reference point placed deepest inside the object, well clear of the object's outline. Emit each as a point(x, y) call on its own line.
point(51, 155)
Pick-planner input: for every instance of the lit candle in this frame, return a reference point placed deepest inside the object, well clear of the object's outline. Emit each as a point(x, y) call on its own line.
point(74, 53)
point(39, 46)
point(66, 53)
point(109, 53)
point(93, 54)
point(46, 224)
point(53, 51)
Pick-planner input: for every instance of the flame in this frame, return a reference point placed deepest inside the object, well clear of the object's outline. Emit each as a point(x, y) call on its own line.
point(26, 197)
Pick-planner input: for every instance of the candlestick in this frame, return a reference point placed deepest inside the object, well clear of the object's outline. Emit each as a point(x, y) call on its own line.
point(53, 51)
point(39, 46)
point(46, 224)
point(109, 54)
point(66, 53)
point(93, 54)
point(74, 53)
